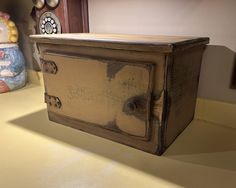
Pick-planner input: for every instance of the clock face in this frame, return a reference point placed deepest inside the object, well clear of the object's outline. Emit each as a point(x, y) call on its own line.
point(49, 24)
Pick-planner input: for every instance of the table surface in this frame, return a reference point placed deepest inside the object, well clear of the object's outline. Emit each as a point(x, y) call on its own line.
point(37, 153)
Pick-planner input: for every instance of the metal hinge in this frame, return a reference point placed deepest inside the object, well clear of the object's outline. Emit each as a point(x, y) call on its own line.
point(49, 66)
point(52, 101)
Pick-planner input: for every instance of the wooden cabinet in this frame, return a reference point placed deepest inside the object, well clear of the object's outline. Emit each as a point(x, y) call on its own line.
point(61, 16)
point(137, 90)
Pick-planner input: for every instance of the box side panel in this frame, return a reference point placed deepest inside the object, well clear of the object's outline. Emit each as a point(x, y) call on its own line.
point(183, 72)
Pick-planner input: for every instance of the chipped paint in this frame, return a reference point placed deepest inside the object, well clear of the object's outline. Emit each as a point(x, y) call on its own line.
point(158, 107)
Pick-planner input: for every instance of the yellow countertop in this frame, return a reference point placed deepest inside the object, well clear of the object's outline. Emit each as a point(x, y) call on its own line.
point(37, 153)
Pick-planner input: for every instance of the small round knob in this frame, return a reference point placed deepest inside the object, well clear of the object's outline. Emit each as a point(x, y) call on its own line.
point(131, 106)
point(136, 106)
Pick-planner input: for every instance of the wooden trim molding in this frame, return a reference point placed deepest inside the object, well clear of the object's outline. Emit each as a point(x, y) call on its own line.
point(233, 81)
point(85, 15)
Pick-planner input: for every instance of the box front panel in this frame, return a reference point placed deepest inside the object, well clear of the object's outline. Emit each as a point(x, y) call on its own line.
point(110, 94)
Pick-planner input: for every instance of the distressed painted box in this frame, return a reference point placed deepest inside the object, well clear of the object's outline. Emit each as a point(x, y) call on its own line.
point(136, 90)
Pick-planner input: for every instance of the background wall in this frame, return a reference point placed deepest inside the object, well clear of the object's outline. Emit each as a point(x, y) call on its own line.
point(212, 18)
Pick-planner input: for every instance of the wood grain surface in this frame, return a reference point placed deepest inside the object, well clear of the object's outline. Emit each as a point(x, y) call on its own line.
point(127, 42)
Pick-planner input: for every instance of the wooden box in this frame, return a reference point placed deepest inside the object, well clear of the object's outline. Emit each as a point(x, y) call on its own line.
point(137, 90)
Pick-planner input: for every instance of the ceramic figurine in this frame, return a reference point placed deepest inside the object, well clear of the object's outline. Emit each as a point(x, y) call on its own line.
point(12, 63)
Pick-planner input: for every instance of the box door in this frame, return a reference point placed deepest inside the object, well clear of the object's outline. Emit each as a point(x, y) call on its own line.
point(112, 94)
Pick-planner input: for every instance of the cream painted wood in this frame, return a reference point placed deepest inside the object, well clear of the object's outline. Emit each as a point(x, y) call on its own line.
point(89, 95)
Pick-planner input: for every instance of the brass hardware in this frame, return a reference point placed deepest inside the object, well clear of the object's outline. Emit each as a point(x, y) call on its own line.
point(39, 4)
point(49, 67)
point(52, 3)
point(52, 101)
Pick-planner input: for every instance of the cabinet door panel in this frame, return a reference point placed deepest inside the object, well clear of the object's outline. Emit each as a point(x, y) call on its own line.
point(114, 95)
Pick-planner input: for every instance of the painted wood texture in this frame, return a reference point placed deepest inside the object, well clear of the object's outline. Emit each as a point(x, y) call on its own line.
point(164, 44)
point(168, 86)
point(97, 92)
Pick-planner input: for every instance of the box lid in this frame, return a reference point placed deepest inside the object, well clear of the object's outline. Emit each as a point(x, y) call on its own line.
point(164, 44)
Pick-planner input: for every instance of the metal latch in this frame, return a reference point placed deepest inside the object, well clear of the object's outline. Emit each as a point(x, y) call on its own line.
point(49, 66)
point(52, 101)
